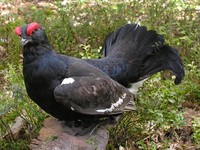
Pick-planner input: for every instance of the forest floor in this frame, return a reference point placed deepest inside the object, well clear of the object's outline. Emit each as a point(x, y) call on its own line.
point(182, 138)
point(183, 135)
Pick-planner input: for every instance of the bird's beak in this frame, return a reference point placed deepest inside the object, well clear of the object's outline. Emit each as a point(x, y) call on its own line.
point(24, 41)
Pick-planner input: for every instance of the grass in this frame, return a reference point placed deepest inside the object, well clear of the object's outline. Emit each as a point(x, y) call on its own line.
point(79, 29)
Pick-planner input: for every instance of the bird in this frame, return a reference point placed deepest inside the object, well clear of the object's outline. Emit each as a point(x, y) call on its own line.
point(74, 89)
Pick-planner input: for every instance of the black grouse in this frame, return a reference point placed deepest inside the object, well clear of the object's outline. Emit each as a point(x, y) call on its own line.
point(71, 89)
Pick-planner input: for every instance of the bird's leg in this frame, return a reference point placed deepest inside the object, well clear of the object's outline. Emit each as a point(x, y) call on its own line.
point(94, 129)
point(115, 119)
point(85, 130)
point(81, 127)
point(105, 121)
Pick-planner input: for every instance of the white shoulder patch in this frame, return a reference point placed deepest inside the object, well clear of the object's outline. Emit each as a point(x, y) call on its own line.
point(68, 81)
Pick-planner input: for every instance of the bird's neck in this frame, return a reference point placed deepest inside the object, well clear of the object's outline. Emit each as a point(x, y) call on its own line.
point(31, 53)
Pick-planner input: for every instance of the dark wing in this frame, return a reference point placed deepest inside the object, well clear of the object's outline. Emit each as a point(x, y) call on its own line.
point(94, 96)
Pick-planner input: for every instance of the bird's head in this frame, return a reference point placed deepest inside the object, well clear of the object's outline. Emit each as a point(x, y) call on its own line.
point(31, 34)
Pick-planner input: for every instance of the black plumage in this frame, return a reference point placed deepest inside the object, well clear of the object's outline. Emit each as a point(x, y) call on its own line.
point(133, 53)
point(71, 89)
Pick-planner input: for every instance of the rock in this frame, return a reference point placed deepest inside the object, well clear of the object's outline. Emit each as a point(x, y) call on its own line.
point(18, 129)
point(54, 135)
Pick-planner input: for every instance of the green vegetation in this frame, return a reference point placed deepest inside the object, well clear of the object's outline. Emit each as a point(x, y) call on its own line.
point(79, 29)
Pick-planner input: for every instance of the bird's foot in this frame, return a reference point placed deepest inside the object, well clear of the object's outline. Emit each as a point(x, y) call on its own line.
point(81, 127)
point(85, 127)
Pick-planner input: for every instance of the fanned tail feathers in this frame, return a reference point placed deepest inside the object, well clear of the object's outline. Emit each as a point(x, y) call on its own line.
point(165, 59)
point(144, 51)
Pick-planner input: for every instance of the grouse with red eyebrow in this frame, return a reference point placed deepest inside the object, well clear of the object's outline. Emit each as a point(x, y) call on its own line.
point(28, 37)
point(74, 89)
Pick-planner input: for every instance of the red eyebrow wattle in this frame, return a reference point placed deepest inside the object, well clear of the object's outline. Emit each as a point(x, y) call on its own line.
point(31, 27)
point(18, 31)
